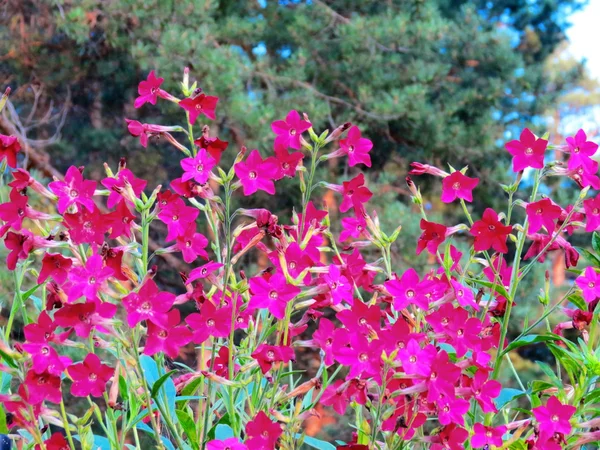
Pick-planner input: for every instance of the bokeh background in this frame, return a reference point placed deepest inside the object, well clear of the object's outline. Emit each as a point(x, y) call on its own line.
point(437, 81)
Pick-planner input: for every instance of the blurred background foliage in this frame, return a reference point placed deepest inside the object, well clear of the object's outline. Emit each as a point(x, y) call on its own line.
point(437, 81)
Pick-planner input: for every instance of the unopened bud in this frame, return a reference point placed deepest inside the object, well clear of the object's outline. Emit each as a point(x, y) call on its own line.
point(335, 134)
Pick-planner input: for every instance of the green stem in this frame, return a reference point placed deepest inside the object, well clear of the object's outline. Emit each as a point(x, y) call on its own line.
point(63, 413)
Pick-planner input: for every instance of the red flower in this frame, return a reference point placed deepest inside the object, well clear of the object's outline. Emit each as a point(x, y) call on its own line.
point(456, 185)
point(148, 304)
point(406, 291)
point(336, 396)
point(431, 238)
point(116, 186)
point(214, 146)
point(288, 162)
point(20, 245)
point(542, 213)
point(42, 386)
point(200, 104)
point(56, 442)
point(528, 151)
point(266, 355)
point(74, 190)
point(89, 377)
point(120, 221)
point(56, 266)
point(489, 233)
point(86, 227)
point(169, 340)
point(85, 316)
point(17, 209)
point(340, 288)
point(288, 131)
point(257, 174)
point(9, 147)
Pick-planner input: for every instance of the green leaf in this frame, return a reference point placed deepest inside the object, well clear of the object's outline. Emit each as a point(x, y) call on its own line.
point(495, 286)
point(529, 339)
point(25, 295)
point(189, 427)
point(507, 395)
point(3, 427)
point(596, 242)
point(588, 256)
point(159, 383)
point(539, 386)
point(550, 374)
point(8, 359)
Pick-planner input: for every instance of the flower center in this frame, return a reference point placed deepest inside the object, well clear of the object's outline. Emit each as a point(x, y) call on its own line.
point(491, 227)
point(529, 151)
point(292, 264)
point(554, 418)
point(595, 211)
point(460, 332)
point(93, 377)
point(539, 211)
point(270, 354)
point(591, 284)
point(412, 359)
point(175, 218)
point(198, 106)
point(488, 434)
point(410, 293)
point(351, 149)
point(285, 165)
point(199, 167)
point(363, 357)
point(162, 334)
point(292, 131)
point(456, 186)
point(73, 193)
point(146, 306)
point(210, 322)
point(204, 271)
point(576, 150)
point(92, 280)
point(252, 175)
point(273, 294)
point(362, 321)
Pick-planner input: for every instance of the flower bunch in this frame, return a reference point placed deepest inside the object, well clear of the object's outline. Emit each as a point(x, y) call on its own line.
point(414, 358)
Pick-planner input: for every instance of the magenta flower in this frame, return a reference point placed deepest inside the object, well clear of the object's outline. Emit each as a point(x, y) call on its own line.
point(543, 213)
point(485, 391)
point(211, 321)
point(452, 410)
point(353, 227)
point(9, 147)
point(200, 104)
point(273, 293)
point(589, 283)
point(88, 280)
point(362, 357)
point(405, 291)
point(116, 186)
point(20, 245)
point(417, 360)
point(266, 355)
point(214, 146)
point(464, 295)
point(489, 232)
point(17, 209)
point(56, 266)
point(84, 317)
point(262, 433)
point(456, 185)
point(257, 174)
point(355, 194)
point(528, 151)
point(170, 339)
point(592, 213)
point(56, 442)
point(554, 418)
point(178, 217)
point(356, 147)
point(487, 436)
point(581, 150)
point(89, 377)
point(191, 244)
point(336, 397)
point(340, 288)
point(74, 190)
point(198, 168)
point(288, 131)
point(433, 235)
point(232, 443)
point(203, 271)
point(288, 162)
point(120, 221)
point(149, 90)
point(148, 304)
point(42, 386)
point(361, 318)
point(323, 336)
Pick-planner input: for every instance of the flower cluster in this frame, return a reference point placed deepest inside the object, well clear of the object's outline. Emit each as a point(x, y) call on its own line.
point(416, 358)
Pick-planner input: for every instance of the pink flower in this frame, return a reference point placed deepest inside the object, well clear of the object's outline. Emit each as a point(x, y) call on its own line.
point(84, 317)
point(464, 295)
point(354, 227)
point(266, 355)
point(74, 190)
point(355, 194)
point(148, 304)
point(487, 436)
point(192, 244)
point(431, 238)
point(581, 150)
point(592, 213)
point(323, 336)
point(88, 280)
point(543, 213)
point(356, 147)
point(336, 396)
point(485, 390)
point(528, 151)
point(178, 217)
point(198, 168)
point(89, 377)
point(288, 162)
point(589, 283)
point(211, 321)
point(203, 271)
point(405, 290)
point(170, 339)
point(17, 209)
point(232, 443)
point(489, 232)
point(340, 288)
point(362, 357)
point(452, 437)
point(56, 266)
point(120, 221)
point(149, 90)
point(116, 186)
point(257, 174)
point(554, 418)
point(273, 293)
point(20, 245)
point(200, 104)
point(456, 185)
point(214, 146)
point(288, 131)
point(9, 147)
point(452, 410)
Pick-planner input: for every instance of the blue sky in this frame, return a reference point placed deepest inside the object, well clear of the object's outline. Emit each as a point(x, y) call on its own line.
point(584, 36)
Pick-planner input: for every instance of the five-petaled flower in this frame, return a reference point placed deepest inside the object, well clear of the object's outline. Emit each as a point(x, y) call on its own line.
point(489, 232)
point(288, 131)
point(89, 377)
point(528, 151)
